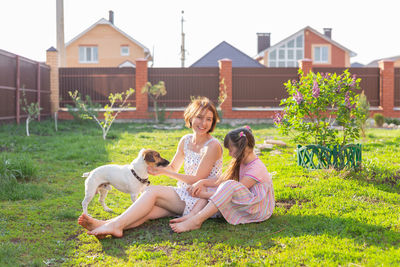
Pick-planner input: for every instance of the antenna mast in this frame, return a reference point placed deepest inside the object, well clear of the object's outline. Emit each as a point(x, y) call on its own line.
point(183, 44)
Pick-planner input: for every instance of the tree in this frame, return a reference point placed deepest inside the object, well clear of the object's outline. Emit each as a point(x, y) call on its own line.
point(109, 115)
point(32, 109)
point(155, 91)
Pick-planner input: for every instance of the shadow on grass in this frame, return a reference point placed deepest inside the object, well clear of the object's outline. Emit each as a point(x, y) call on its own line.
point(258, 235)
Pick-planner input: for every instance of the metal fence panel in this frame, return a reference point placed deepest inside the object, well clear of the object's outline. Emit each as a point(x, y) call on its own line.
point(28, 83)
point(260, 87)
point(97, 83)
point(396, 87)
point(182, 83)
point(369, 81)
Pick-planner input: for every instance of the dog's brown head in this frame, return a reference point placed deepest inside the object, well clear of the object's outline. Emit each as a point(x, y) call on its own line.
point(153, 158)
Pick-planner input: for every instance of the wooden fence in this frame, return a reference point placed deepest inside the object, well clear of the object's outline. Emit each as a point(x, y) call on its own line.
point(21, 77)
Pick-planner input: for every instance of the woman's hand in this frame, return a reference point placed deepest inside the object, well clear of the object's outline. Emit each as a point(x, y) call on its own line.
point(196, 188)
point(155, 170)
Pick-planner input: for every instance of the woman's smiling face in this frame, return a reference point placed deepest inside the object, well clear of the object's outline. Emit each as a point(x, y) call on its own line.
point(202, 122)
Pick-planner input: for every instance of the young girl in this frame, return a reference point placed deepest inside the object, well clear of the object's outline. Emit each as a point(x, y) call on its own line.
point(245, 194)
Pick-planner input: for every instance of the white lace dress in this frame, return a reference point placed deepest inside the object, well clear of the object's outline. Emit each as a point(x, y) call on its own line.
point(191, 164)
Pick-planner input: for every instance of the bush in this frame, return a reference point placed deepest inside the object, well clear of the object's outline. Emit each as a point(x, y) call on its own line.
point(17, 168)
point(363, 105)
point(315, 102)
point(392, 120)
point(379, 119)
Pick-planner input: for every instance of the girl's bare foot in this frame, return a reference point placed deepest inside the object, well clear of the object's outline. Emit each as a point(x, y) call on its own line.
point(89, 223)
point(106, 229)
point(180, 219)
point(186, 226)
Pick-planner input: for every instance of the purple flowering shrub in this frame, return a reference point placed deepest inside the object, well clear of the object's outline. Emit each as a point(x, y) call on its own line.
point(315, 103)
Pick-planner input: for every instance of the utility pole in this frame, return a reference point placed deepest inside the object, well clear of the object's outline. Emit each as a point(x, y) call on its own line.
point(183, 51)
point(60, 33)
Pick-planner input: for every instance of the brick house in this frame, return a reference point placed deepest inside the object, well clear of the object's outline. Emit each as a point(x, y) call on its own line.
point(104, 45)
point(306, 43)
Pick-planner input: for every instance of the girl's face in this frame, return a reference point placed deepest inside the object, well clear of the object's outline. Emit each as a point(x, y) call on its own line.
point(232, 150)
point(202, 122)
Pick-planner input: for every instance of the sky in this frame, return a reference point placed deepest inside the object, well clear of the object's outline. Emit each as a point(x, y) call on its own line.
point(370, 28)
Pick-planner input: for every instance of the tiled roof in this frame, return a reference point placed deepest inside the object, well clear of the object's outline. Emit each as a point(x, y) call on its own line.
point(225, 50)
point(374, 63)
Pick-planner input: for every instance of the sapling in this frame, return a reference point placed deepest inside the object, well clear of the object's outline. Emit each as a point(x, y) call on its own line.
point(33, 110)
point(155, 91)
point(110, 113)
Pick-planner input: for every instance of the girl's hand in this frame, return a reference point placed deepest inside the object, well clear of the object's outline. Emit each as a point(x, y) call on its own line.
point(155, 170)
point(196, 188)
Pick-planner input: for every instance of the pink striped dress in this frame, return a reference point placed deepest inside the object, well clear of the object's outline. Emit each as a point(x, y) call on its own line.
point(238, 204)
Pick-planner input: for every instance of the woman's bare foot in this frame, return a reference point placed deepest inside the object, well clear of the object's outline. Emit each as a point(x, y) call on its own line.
point(89, 223)
point(186, 226)
point(180, 219)
point(106, 229)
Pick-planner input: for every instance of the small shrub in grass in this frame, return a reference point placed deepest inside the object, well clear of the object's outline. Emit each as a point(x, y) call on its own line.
point(379, 119)
point(392, 121)
point(19, 167)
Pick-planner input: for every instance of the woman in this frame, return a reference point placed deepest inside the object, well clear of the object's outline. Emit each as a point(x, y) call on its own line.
point(202, 158)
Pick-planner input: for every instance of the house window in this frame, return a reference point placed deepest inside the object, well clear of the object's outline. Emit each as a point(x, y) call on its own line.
point(288, 53)
point(88, 54)
point(321, 54)
point(124, 50)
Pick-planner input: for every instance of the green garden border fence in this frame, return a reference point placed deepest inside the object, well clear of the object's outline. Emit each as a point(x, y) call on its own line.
point(323, 157)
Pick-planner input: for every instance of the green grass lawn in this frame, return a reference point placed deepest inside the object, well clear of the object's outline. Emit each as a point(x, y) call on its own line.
point(322, 218)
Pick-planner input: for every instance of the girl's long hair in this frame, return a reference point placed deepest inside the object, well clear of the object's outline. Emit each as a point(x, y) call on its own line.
point(239, 138)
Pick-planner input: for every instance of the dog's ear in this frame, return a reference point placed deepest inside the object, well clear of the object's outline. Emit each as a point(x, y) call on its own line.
point(149, 157)
point(141, 152)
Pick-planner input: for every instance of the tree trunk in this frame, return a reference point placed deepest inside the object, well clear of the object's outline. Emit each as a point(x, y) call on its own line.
point(27, 126)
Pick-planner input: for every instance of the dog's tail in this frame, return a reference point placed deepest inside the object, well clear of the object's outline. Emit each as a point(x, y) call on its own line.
point(86, 174)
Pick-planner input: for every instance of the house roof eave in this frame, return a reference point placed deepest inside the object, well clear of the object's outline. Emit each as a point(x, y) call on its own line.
point(106, 22)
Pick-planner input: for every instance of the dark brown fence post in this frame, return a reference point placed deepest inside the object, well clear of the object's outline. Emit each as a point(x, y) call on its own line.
point(387, 87)
point(225, 74)
point(38, 88)
point(17, 92)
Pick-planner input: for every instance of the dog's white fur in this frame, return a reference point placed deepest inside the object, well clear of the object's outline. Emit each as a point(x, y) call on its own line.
point(119, 176)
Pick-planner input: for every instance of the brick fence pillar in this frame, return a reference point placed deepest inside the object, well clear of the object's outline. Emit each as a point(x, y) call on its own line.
point(225, 75)
point(52, 61)
point(142, 100)
point(386, 90)
point(306, 65)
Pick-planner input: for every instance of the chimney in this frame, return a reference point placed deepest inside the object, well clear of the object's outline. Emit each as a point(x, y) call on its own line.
point(328, 32)
point(111, 16)
point(263, 41)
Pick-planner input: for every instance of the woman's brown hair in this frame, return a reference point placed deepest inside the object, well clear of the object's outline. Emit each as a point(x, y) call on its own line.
point(197, 106)
point(241, 138)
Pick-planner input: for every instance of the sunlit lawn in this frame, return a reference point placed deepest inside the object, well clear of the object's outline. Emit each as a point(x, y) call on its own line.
point(324, 218)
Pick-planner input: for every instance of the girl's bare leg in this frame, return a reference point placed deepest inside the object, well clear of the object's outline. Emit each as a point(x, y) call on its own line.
point(195, 221)
point(200, 204)
point(163, 197)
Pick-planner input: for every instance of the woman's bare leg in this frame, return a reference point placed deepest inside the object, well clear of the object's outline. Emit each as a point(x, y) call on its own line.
point(200, 204)
point(163, 197)
point(195, 221)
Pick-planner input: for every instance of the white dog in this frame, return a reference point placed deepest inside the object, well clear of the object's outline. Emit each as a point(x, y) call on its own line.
point(131, 179)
